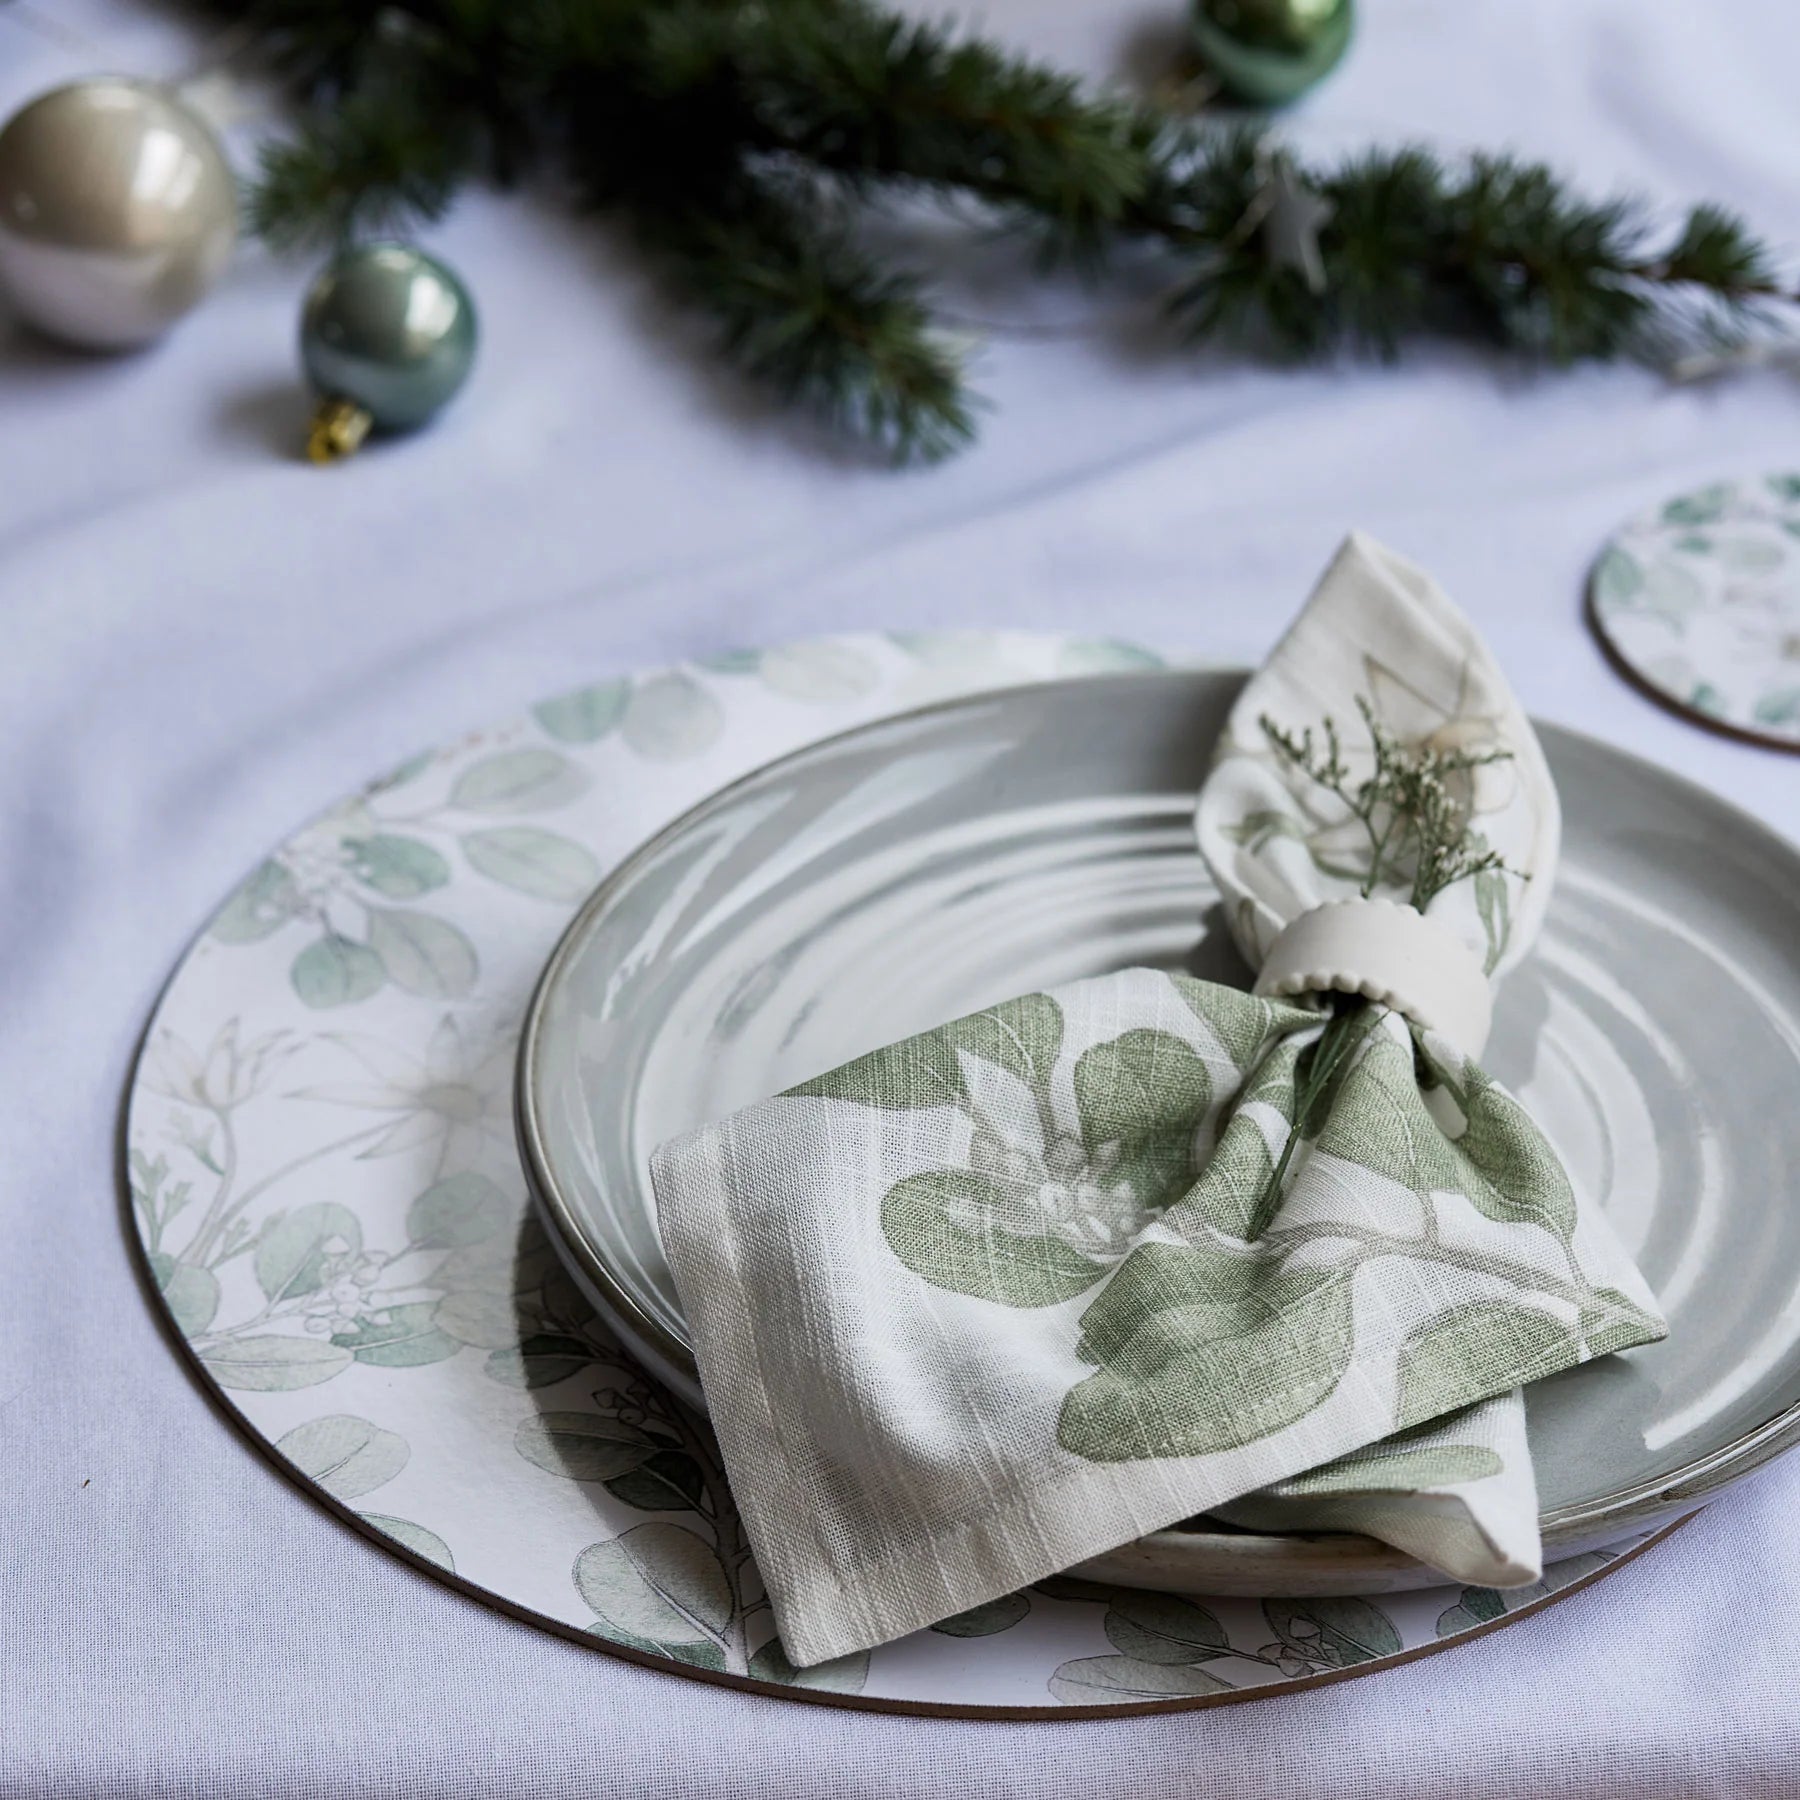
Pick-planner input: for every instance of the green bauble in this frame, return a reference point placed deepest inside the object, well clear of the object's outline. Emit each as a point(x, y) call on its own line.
point(1269, 52)
point(387, 337)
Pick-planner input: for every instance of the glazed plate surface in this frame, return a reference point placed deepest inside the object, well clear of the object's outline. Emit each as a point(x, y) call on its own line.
point(913, 870)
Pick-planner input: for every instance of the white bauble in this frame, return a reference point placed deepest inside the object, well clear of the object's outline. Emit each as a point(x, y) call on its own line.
point(117, 212)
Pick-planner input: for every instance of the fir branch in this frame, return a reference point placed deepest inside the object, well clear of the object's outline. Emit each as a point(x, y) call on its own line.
point(801, 308)
point(368, 168)
point(1500, 251)
point(742, 138)
point(874, 98)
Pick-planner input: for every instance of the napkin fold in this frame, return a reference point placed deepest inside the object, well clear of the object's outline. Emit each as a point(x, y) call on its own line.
point(1006, 1295)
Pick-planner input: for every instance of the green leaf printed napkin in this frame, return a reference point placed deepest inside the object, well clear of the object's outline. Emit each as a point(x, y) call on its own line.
point(991, 1301)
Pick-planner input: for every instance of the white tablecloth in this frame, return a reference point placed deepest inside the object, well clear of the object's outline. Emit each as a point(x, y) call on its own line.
point(204, 639)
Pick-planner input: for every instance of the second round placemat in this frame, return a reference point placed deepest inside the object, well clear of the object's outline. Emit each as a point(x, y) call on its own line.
point(1697, 602)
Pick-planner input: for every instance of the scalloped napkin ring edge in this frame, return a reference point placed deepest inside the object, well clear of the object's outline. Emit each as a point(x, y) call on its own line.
point(1390, 953)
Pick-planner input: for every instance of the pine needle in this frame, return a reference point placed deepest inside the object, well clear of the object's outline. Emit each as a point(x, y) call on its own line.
point(742, 139)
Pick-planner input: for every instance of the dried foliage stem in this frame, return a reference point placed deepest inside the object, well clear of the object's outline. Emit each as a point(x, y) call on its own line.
point(1410, 805)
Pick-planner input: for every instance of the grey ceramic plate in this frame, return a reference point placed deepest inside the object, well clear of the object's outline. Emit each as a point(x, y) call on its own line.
point(881, 882)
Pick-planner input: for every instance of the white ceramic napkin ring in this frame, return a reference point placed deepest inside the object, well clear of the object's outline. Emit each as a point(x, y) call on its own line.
point(1389, 953)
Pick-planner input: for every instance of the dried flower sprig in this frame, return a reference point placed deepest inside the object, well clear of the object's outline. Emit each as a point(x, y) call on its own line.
point(1419, 827)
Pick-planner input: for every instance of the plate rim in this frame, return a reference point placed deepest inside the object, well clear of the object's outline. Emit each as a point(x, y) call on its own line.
point(1605, 1517)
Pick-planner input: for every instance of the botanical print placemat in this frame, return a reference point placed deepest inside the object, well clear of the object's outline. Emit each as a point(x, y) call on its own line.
point(326, 1192)
point(1698, 602)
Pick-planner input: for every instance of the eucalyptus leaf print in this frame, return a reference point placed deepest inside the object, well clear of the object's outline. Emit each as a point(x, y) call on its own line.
point(347, 1456)
point(263, 904)
point(1780, 706)
point(1399, 1470)
point(662, 1585)
point(403, 772)
point(296, 1251)
point(1163, 1641)
point(1618, 579)
point(1242, 1024)
point(667, 1481)
point(534, 861)
point(984, 1620)
point(337, 971)
point(1478, 1606)
point(651, 1454)
point(1144, 1082)
point(1705, 506)
point(661, 718)
point(272, 1365)
point(1482, 1606)
point(671, 718)
point(458, 1211)
point(351, 877)
point(1490, 1344)
point(1042, 1209)
point(699, 1653)
point(1176, 1327)
point(1498, 1158)
point(740, 661)
point(1317, 1635)
point(398, 1337)
point(1515, 1176)
point(953, 1227)
point(1610, 1320)
point(818, 671)
point(1078, 1588)
point(1119, 1680)
point(1493, 900)
point(422, 1543)
point(1380, 1122)
point(1257, 829)
point(423, 954)
point(1671, 593)
point(483, 1318)
point(191, 1294)
point(542, 1360)
point(1233, 1193)
point(922, 1071)
point(584, 1446)
point(518, 781)
point(401, 868)
point(587, 714)
point(1164, 1628)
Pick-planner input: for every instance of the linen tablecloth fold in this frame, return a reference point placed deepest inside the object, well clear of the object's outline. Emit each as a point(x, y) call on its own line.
point(1005, 1295)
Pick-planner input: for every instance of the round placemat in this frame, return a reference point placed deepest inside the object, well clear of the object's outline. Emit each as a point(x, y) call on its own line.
point(1697, 602)
point(325, 1190)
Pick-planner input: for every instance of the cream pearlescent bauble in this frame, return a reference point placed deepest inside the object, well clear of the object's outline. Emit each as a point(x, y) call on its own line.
point(117, 212)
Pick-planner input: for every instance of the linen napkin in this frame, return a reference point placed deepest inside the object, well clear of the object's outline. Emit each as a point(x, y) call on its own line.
point(1006, 1295)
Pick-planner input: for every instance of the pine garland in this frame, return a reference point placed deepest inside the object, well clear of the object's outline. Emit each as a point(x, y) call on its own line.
point(744, 142)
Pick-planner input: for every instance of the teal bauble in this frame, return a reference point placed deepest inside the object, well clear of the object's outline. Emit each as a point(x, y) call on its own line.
point(387, 336)
point(1269, 52)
